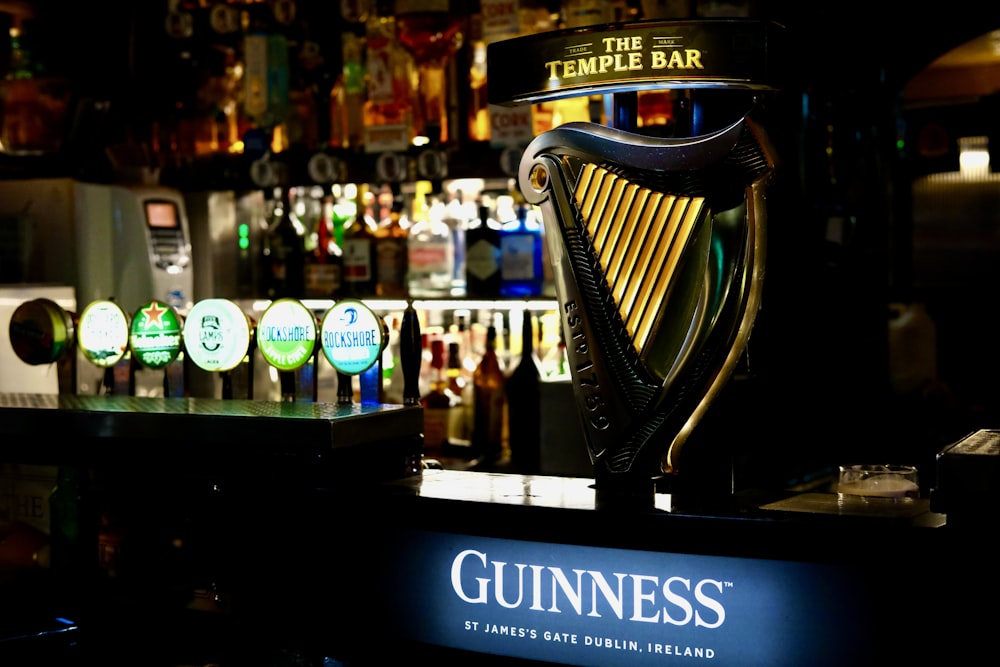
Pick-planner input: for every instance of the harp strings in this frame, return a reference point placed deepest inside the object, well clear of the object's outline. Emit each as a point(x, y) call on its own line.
point(638, 236)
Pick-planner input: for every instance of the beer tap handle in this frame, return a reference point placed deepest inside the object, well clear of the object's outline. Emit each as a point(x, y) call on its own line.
point(409, 354)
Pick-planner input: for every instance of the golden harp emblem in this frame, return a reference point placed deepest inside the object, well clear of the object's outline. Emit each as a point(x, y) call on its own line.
point(657, 247)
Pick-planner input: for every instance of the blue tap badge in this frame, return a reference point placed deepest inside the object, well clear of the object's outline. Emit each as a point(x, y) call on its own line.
point(352, 337)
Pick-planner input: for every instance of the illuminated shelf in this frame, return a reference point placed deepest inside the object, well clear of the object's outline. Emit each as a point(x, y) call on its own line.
point(457, 303)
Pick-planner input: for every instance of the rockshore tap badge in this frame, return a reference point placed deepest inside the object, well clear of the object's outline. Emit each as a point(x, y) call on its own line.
point(216, 335)
point(286, 334)
point(352, 337)
point(103, 333)
point(156, 335)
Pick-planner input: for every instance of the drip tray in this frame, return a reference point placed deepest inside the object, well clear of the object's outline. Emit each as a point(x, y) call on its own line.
point(832, 503)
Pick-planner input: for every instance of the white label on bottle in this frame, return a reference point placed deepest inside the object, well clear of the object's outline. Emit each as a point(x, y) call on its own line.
point(255, 55)
point(430, 258)
point(386, 138)
point(379, 73)
point(517, 257)
point(435, 427)
point(499, 18)
point(510, 126)
point(410, 6)
point(357, 260)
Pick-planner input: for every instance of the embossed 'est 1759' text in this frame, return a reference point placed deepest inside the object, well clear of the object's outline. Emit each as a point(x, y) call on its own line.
point(585, 376)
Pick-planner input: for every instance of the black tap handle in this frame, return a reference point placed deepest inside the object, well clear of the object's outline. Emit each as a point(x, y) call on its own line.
point(409, 355)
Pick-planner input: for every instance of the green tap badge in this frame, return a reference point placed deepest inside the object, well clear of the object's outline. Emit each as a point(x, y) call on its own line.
point(286, 334)
point(156, 335)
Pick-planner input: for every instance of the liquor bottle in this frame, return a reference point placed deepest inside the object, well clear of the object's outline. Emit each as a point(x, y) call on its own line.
point(500, 20)
point(436, 404)
point(430, 250)
point(482, 255)
point(463, 335)
point(284, 252)
point(431, 30)
point(477, 114)
point(496, 20)
point(524, 405)
point(488, 411)
point(325, 265)
point(388, 111)
point(554, 365)
point(392, 366)
point(457, 216)
point(521, 270)
point(347, 96)
point(392, 252)
point(359, 250)
point(460, 412)
point(267, 73)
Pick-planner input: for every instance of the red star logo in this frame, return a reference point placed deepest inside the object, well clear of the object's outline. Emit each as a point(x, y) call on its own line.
point(154, 315)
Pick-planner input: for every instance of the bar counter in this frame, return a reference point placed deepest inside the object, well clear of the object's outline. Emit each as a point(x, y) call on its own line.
point(758, 578)
point(356, 559)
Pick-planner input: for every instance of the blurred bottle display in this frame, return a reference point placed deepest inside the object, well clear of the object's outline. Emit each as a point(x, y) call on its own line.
point(483, 254)
point(436, 403)
point(488, 412)
point(521, 268)
point(431, 248)
point(522, 389)
point(391, 249)
point(431, 30)
point(34, 101)
point(284, 250)
point(359, 248)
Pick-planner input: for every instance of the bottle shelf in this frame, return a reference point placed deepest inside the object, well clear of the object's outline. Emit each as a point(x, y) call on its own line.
point(443, 304)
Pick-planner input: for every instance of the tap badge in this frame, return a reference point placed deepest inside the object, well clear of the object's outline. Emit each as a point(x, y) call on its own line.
point(352, 337)
point(216, 335)
point(155, 337)
point(103, 333)
point(286, 334)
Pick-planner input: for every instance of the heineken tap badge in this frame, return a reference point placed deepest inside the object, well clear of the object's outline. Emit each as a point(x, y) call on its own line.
point(657, 244)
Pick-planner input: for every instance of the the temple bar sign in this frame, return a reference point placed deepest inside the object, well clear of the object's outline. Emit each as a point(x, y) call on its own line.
point(621, 57)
